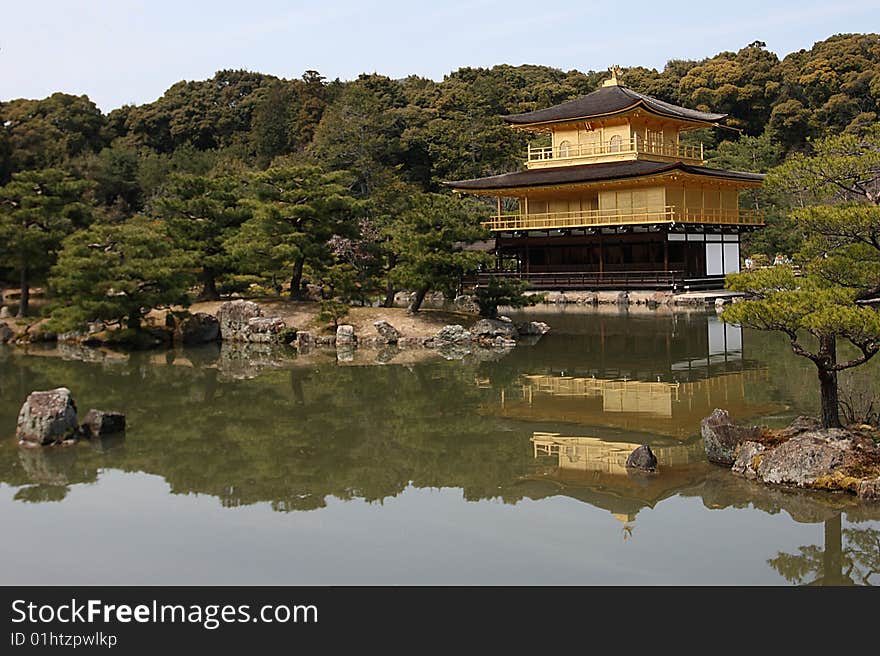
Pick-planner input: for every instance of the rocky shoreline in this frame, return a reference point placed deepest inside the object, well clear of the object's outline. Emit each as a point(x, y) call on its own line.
point(803, 455)
point(242, 321)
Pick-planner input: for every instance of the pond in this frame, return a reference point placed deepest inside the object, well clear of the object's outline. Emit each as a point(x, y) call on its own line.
point(263, 467)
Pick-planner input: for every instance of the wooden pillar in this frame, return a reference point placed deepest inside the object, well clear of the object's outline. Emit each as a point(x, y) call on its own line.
point(528, 268)
point(665, 253)
point(498, 198)
point(601, 255)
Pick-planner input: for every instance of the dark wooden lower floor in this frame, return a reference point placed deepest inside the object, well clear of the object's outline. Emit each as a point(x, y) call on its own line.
point(616, 259)
point(594, 280)
point(623, 253)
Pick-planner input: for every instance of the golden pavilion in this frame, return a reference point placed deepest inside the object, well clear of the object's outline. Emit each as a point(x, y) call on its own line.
point(618, 199)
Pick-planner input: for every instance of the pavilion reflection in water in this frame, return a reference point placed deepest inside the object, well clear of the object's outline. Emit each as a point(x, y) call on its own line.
point(668, 399)
point(616, 383)
point(593, 469)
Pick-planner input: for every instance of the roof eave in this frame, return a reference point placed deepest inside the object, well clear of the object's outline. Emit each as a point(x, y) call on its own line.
point(640, 104)
point(672, 168)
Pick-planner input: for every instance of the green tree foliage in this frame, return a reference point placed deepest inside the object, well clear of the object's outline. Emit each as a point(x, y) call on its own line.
point(296, 210)
point(154, 168)
point(741, 84)
point(759, 155)
point(840, 258)
point(207, 114)
point(837, 81)
point(118, 273)
point(114, 170)
point(805, 306)
point(202, 214)
point(426, 241)
point(46, 133)
point(507, 292)
point(285, 117)
point(37, 210)
point(360, 132)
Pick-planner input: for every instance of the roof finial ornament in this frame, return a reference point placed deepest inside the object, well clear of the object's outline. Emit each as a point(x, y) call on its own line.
point(613, 81)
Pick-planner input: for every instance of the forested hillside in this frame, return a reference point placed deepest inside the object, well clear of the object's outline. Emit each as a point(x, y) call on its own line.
point(207, 150)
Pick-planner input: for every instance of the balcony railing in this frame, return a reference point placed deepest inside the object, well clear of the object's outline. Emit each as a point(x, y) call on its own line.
point(616, 217)
point(634, 145)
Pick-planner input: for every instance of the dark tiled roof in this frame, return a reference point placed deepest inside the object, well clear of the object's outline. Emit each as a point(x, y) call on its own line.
point(609, 100)
point(593, 173)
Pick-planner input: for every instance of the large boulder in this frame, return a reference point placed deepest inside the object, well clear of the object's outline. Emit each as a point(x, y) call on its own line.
point(388, 333)
point(233, 317)
point(345, 335)
point(801, 424)
point(98, 423)
point(304, 341)
point(804, 459)
point(642, 459)
point(265, 330)
point(6, 333)
point(495, 328)
point(452, 334)
point(47, 417)
point(199, 328)
point(748, 457)
point(530, 328)
point(869, 490)
point(721, 437)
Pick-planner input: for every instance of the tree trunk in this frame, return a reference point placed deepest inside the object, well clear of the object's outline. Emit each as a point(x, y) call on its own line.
point(832, 556)
point(209, 286)
point(134, 321)
point(416, 301)
point(24, 303)
point(828, 383)
point(296, 280)
point(389, 296)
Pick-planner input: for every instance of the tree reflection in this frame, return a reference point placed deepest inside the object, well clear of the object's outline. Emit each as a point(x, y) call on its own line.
point(849, 557)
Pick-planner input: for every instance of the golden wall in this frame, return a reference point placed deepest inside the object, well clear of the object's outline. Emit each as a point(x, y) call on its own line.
point(646, 130)
point(627, 200)
point(697, 196)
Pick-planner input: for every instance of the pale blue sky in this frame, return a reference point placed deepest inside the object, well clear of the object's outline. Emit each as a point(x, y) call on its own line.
point(130, 51)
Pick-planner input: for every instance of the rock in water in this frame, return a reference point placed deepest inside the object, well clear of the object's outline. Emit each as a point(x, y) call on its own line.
point(495, 328)
point(4, 312)
point(6, 333)
point(265, 330)
point(389, 334)
point(233, 317)
point(804, 459)
point(643, 459)
point(47, 417)
point(869, 490)
point(533, 328)
point(721, 437)
point(748, 457)
point(98, 423)
point(200, 328)
point(452, 334)
point(345, 335)
point(304, 341)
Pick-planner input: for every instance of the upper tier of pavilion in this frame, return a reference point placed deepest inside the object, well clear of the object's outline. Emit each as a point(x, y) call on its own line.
point(612, 124)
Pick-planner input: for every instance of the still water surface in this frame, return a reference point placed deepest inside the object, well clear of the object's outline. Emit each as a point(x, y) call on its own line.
point(264, 467)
